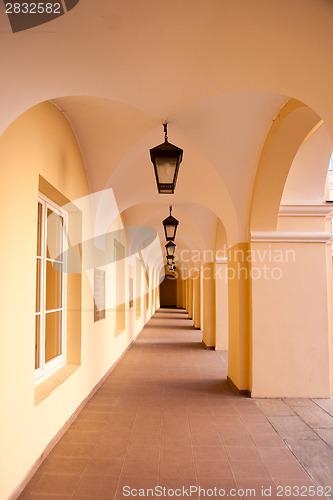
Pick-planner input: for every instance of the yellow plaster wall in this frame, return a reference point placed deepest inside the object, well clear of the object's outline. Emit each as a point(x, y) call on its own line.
point(197, 300)
point(180, 292)
point(190, 297)
point(221, 307)
point(239, 317)
point(290, 322)
point(300, 224)
point(329, 261)
point(41, 143)
point(209, 305)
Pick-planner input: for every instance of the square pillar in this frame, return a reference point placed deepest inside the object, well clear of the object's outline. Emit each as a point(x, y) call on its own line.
point(209, 306)
point(190, 298)
point(290, 314)
point(239, 319)
point(222, 322)
point(197, 300)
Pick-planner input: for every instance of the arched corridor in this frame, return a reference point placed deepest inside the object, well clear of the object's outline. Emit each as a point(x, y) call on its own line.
point(98, 218)
point(166, 417)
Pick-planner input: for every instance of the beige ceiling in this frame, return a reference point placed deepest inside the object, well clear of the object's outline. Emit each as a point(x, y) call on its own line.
point(221, 137)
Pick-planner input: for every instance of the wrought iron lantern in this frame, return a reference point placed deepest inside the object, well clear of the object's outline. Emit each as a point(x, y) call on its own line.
point(166, 159)
point(171, 267)
point(170, 227)
point(170, 260)
point(170, 248)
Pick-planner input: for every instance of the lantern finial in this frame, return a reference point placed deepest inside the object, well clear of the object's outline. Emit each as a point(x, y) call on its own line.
point(165, 125)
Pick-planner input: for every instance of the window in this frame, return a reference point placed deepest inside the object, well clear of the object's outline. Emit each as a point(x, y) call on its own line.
point(50, 325)
point(152, 293)
point(131, 292)
point(147, 293)
point(99, 295)
point(138, 288)
point(120, 286)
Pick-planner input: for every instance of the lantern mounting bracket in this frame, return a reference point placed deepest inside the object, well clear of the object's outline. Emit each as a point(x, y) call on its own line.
point(165, 125)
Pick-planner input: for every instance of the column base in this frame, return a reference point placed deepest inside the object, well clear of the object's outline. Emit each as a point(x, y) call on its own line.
point(208, 347)
point(239, 392)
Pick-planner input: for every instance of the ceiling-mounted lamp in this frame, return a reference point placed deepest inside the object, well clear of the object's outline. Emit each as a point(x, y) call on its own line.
point(166, 159)
point(170, 248)
point(170, 260)
point(171, 266)
point(170, 227)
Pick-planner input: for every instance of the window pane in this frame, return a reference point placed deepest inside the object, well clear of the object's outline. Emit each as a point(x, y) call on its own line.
point(53, 286)
point(52, 335)
point(37, 342)
point(54, 235)
point(99, 294)
point(39, 230)
point(38, 284)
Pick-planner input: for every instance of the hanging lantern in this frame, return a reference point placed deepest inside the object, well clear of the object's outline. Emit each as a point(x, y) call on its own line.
point(166, 159)
point(170, 227)
point(170, 248)
point(170, 260)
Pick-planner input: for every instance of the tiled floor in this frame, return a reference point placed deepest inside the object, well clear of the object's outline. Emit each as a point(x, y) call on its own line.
point(306, 426)
point(167, 417)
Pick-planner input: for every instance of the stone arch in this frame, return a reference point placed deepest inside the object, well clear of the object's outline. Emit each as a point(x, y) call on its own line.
point(288, 131)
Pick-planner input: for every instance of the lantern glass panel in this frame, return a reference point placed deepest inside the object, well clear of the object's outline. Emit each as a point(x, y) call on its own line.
point(170, 231)
point(171, 249)
point(166, 168)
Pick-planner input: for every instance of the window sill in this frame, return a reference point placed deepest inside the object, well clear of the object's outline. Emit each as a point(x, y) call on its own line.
point(46, 387)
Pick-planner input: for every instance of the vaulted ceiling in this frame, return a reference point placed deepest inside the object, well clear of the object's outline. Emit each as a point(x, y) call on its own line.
point(217, 71)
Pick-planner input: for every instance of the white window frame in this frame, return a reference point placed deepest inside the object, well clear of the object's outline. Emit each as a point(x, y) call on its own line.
point(47, 368)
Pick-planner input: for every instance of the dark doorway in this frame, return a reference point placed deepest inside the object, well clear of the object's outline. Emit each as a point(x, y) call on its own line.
point(168, 292)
